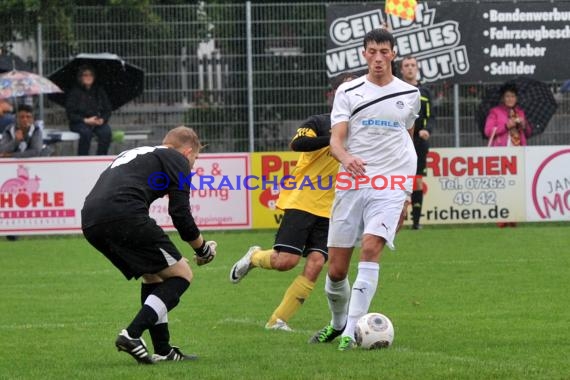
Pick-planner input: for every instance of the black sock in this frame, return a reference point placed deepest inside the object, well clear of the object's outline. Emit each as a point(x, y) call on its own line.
point(168, 292)
point(417, 199)
point(159, 333)
point(147, 289)
point(145, 318)
point(171, 290)
point(160, 339)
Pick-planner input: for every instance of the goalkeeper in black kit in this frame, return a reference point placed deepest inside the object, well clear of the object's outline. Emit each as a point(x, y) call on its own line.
point(116, 221)
point(422, 131)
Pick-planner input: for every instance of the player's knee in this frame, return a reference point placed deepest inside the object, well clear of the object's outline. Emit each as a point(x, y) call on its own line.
point(187, 274)
point(314, 265)
point(286, 261)
point(315, 260)
point(337, 273)
point(371, 253)
point(182, 269)
point(151, 279)
point(171, 291)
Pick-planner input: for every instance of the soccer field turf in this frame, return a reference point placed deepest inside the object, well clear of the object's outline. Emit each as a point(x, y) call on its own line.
point(472, 302)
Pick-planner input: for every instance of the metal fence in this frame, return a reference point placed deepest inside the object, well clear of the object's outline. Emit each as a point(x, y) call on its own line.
point(216, 67)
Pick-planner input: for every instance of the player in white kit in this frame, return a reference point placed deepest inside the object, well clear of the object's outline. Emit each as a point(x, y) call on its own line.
point(372, 127)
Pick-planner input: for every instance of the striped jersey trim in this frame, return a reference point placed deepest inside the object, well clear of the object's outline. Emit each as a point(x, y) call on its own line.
point(352, 88)
point(381, 99)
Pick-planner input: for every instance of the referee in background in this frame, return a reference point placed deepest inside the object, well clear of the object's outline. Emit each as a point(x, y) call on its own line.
point(422, 131)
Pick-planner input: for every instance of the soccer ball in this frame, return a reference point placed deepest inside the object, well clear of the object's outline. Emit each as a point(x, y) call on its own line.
point(374, 330)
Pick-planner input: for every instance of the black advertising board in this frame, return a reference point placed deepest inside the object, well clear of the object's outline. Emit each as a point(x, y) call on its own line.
point(460, 42)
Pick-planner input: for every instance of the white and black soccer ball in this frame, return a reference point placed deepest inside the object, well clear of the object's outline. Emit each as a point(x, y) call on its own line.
point(374, 330)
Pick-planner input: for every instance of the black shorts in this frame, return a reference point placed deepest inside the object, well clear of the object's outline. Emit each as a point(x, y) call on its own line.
point(301, 232)
point(422, 149)
point(135, 246)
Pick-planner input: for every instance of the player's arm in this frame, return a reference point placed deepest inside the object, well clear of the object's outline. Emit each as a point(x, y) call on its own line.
point(179, 211)
point(415, 108)
point(307, 140)
point(354, 165)
point(340, 117)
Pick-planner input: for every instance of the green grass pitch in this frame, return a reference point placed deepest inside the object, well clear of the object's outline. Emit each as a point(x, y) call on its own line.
point(473, 302)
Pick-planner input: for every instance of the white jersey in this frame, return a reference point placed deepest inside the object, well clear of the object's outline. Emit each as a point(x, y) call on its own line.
point(379, 118)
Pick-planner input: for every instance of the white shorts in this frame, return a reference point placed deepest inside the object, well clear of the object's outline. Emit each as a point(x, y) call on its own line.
point(365, 211)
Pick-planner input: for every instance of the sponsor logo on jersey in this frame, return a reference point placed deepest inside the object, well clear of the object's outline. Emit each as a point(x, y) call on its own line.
point(380, 123)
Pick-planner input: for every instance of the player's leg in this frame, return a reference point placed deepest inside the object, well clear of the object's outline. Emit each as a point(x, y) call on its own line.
point(152, 252)
point(287, 250)
point(417, 194)
point(345, 227)
point(159, 332)
point(303, 285)
point(280, 259)
point(381, 216)
point(104, 237)
point(161, 297)
point(364, 286)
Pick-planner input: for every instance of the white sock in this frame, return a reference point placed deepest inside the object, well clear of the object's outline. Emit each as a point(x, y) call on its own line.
point(158, 306)
point(338, 294)
point(363, 291)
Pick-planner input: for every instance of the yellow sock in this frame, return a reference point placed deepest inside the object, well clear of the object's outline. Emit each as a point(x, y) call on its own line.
point(294, 297)
point(262, 259)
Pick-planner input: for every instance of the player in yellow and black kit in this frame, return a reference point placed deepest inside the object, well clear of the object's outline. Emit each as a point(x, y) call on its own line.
point(307, 201)
point(422, 132)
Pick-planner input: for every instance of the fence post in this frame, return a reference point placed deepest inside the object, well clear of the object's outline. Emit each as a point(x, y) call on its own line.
point(40, 65)
point(250, 113)
point(456, 114)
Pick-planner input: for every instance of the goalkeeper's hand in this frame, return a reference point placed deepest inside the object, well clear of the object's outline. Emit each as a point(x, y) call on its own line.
point(205, 253)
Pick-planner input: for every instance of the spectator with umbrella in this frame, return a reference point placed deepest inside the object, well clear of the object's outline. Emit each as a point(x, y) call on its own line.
point(88, 109)
point(506, 124)
point(531, 95)
point(89, 101)
point(16, 84)
point(9, 62)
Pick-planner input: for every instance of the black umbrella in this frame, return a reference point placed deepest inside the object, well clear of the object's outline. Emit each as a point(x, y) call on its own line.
point(122, 81)
point(534, 97)
point(9, 62)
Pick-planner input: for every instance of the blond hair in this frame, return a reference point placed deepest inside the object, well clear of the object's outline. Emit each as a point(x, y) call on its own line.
point(182, 137)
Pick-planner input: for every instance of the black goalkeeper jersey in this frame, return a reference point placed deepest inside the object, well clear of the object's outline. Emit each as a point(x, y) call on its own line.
point(134, 180)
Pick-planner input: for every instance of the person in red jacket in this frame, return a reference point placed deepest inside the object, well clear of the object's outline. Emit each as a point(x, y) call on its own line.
point(506, 124)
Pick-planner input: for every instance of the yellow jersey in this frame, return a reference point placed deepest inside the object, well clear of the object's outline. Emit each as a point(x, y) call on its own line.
point(312, 182)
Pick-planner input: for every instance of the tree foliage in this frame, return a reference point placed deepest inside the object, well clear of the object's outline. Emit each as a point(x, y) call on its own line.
point(20, 17)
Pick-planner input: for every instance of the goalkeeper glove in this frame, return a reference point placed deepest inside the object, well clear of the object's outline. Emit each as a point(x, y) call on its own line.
point(205, 253)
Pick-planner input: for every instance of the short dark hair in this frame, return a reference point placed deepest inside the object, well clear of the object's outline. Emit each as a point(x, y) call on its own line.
point(25, 108)
point(508, 87)
point(341, 78)
point(379, 36)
